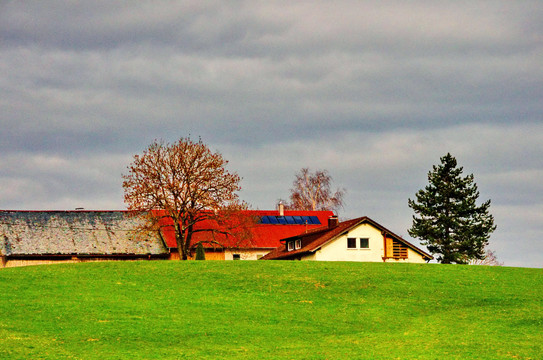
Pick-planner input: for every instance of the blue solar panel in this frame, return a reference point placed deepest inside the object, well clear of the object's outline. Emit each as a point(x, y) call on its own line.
point(306, 220)
point(290, 220)
point(273, 220)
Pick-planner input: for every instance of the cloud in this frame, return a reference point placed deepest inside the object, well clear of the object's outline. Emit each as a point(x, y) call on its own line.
point(48, 182)
point(375, 93)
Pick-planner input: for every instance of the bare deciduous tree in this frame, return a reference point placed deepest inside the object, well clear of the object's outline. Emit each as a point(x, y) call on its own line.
point(490, 259)
point(179, 185)
point(311, 191)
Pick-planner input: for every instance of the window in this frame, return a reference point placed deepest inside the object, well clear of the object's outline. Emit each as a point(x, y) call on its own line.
point(236, 256)
point(298, 244)
point(290, 245)
point(363, 243)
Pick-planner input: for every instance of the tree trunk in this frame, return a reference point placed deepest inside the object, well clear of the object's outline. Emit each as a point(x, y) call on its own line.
point(180, 240)
point(188, 241)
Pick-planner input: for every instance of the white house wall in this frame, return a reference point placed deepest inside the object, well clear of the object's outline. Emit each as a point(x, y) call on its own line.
point(412, 257)
point(246, 254)
point(337, 250)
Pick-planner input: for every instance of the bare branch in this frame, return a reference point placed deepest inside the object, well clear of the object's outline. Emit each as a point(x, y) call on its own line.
point(311, 191)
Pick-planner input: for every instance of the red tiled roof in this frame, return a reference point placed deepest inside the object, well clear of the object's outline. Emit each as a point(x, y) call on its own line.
point(266, 236)
point(315, 239)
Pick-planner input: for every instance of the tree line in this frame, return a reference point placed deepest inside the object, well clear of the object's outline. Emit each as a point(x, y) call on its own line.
point(181, 184)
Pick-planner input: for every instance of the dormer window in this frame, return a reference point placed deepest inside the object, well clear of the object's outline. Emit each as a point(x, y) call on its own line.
point(298, 244)
point(290, 245)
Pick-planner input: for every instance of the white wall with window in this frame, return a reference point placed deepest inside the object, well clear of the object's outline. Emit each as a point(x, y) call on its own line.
point(364, 243)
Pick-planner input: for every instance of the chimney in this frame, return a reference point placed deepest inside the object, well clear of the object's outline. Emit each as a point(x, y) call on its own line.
point(332, 221)
point(281, 208)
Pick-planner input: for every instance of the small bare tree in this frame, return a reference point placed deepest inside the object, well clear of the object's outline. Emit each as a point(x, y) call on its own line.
point(490, 259)
point(311, 191)
point(179, 185)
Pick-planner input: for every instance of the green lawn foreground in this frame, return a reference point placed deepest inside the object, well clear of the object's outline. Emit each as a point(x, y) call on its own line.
point(269, 310)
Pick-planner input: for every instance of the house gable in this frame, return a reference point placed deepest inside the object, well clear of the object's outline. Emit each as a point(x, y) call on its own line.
point(339, 250)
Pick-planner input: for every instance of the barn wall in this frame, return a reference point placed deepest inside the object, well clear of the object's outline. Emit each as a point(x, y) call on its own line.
point(8, 263)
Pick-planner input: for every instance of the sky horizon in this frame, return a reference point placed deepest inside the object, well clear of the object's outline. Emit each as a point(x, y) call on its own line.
point(373, 92)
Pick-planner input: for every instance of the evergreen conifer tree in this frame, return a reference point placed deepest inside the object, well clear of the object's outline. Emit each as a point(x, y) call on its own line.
point(449, 222)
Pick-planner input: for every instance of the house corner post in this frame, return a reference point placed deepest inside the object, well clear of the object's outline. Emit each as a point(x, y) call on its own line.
point(385, 255)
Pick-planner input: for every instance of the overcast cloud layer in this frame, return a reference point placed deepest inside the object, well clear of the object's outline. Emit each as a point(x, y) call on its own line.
point(374, 92)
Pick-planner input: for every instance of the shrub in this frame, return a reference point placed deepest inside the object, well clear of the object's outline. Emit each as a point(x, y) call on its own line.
point(200, 252)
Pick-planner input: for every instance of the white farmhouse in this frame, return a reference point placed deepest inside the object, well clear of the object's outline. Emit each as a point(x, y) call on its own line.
point(360, 239)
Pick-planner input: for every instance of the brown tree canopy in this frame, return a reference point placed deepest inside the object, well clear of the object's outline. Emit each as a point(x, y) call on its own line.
point(311, 191)
point(181, 184)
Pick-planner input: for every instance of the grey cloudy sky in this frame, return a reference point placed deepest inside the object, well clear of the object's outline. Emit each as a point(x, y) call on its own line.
point(374, 92)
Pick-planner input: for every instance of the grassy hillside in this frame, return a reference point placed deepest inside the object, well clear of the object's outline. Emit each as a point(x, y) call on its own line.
point(292, 310)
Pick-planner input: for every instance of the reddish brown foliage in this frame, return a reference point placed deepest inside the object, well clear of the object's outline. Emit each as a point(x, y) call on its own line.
point(180, 185)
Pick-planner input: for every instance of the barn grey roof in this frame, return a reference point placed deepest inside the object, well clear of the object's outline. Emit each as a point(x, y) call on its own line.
point(76, 233)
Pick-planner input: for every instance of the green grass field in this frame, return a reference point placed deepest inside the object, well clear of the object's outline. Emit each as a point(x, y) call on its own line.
point(269, 310)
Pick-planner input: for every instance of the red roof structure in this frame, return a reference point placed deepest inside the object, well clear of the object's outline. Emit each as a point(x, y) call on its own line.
point(265, 230)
